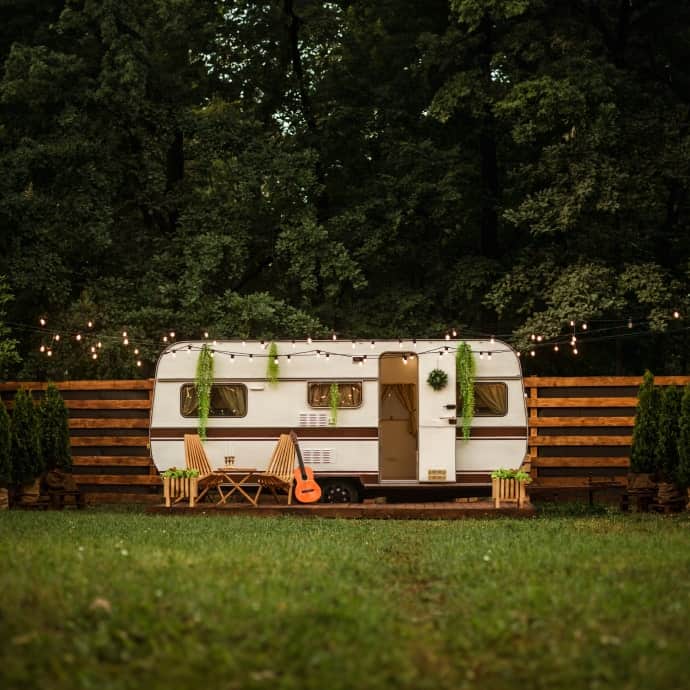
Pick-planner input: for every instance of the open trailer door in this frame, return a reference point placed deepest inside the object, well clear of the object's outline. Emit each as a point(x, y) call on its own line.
point(437, 426)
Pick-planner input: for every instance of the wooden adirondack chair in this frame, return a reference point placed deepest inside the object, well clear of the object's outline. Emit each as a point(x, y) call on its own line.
point(278, 474)
point(196, 459)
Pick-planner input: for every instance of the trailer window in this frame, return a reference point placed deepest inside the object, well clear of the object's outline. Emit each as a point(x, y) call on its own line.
point(227, 400)
point(490, 399)
point(350, 394)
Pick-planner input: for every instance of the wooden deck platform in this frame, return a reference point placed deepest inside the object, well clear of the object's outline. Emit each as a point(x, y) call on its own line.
point(384, 511)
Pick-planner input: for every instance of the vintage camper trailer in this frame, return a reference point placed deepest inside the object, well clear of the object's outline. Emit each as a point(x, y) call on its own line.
point(392, 427)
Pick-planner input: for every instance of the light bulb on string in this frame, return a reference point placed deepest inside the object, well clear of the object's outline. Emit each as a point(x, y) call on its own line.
point(49, 353)
point(205, 334)
point(533, 337)
point(89, 324)
point(676, 314)
point(93, 349)
point(328, 357)
point(455, 333)
point(492, 339)
point(334, 336)
point(251, 356)
point(244, 343)
point(289, 359)
point(275, 360)
point(174, 354)
point(354, 344)
point(263, 345)
point(136, 350)
point(372, 344)
point(533, 353)
point(488, 355)
point(318, 354)
point(77, 337)
point(42, 321)
point(447, 336)
point(572, 323)
point(404, 359)
point(99, 344)
point(481, 355)
point(189, 349)
point(125, 341)
point(138, 362)
point(124, 334)
point(414, 344)
point(293, 344)
point(213, 353)
point(165, 338)
point(94, 356)
point(214, 343)
point(399, 342)
point(42, 348)
point(232, 359)
point(574, 350)
point(540, 338)
point(555, 348)
point(630, 322)
point(309, 340)
point(57, 337)
point(584, 326)
point(172, 334)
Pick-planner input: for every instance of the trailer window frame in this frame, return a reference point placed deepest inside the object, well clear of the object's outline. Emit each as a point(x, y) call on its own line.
point(504, 387)
point(195, 415)
point(326, 405)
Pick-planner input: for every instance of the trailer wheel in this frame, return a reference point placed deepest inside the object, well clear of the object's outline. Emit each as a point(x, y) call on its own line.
point(339, 491)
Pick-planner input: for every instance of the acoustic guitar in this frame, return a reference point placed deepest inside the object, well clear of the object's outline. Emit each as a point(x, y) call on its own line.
point(306, 488)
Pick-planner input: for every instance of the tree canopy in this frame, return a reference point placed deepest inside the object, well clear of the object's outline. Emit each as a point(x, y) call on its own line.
point(378, 168)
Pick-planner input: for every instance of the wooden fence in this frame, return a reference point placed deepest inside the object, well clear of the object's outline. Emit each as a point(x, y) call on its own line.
point(580, 431)
point(109, 428)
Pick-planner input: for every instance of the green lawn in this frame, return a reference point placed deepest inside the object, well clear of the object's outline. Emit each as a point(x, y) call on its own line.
point(99, 599)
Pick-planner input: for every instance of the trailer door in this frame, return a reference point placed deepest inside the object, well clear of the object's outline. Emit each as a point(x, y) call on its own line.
point(437, 426)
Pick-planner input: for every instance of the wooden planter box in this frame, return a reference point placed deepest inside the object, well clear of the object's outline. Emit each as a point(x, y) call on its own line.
point(508, 491)
point(176, 489)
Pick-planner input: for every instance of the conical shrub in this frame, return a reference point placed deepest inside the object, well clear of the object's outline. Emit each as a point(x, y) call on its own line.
point(27, 462)
point(5, 447)
point(683, 468)
point(645, 431)
point(55, 442)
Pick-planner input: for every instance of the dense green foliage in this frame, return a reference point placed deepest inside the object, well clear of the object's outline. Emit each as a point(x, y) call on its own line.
point(666, 452)
point(645, 432)
point(278, 168)
point(203, 384)
point(683, 471)
point(27, 459)
point(465, 369)
point(127, 600)
point(54, 429)
point(272, 365)
point(5, 447)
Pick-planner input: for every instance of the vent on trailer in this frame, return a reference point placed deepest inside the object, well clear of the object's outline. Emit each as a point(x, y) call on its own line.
point(313, 419)
point(317, 456)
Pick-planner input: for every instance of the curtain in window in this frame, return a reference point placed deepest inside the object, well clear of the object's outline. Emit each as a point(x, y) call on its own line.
point(189, 405)
point(228, 401)
point(350, 394)
point(406, 393)
point(490, 399)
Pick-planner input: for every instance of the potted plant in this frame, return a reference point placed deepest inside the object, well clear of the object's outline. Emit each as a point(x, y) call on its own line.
point(666, 452)
point(5, 457)
point(465, 370)
point(179, 484)
point(509, 486)
point(27, 460)
point(644, 441)
point(683, 446)
point(203, 384)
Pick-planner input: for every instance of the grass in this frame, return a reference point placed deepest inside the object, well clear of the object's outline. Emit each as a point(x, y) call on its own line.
point(106, 600)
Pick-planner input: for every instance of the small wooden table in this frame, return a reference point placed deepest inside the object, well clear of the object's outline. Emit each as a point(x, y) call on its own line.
point(236, 477)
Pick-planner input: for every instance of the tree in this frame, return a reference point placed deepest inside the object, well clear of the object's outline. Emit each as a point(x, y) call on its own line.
point(54, 428)
point(8, 346)
point(683, 470)
point(27, 461)
point(666, 452)
point(645, 431)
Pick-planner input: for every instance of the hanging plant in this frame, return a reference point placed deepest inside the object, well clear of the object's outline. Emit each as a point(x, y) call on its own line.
point(272, 368)
point(203, 383)
point(437, 379)
point(333, 402)
point(464, 369)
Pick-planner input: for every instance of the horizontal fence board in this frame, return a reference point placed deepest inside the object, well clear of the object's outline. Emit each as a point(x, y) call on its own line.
point(108, 404)
point(581, 462)
point(107, 423)
point(105, 498)
point(580, 440)
point(124, 460)
point(564, 381)
point(109, 441)
point(583, 482)
point(125, 384)
point(581, 402)
point(119, 479)
point(581, 421)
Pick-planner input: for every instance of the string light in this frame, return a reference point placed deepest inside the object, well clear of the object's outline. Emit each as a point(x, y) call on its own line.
point(293, 344)
point(138, 362)
point(94, 356)
point(124, 334)
point(165, 338)
point(57, 337)
point(205, 334)
point(334, 336)
point(136, 349)
point(49, 353)
point(309, 340)
point(447, 336)
point(555, 348)
point(263, 345)
point(533, 353)
point(574, 350)
point(399, 342)
point(676, 314)
point(42, 348)
point(42, 321)
point(354, 344)
point(289, 358)
point(78, 337)
point(172, 334)
point(488, 355)
point(89, 324)
point(404, 359)
point(99, 345)
point(455, 333)
point(125, 341)
point(372, 344)
point(232, 359)
point(584, 326)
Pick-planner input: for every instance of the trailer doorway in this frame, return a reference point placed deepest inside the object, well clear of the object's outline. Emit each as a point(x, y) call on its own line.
point(398, 416)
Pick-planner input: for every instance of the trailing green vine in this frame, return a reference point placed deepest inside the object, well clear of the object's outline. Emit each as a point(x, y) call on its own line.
point(333, 402)
point(272, 368)
point(465, 369)
point(203, 383)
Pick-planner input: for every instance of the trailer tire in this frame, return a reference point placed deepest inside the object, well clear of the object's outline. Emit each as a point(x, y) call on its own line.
point(339, 491)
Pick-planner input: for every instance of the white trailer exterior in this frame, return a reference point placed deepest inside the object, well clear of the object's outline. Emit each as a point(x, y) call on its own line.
point(393, 429)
